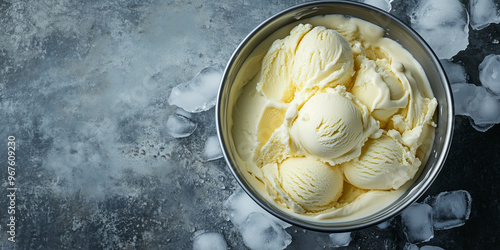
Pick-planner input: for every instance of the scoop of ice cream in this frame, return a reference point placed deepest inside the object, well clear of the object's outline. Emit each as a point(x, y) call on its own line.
point(384, 164)
point(332, 125)
point(378, 86)
point(275, 81)
point(322, 58)
point(312, 184)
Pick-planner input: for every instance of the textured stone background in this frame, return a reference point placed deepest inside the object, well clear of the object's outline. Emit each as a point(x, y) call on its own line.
point(84, 87)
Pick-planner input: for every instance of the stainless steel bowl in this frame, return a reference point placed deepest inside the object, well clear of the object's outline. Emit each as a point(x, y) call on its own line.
point(394, 29)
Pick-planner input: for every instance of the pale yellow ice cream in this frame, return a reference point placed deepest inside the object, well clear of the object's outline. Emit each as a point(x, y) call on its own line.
point(332, 126)
point(306, 184)
point(307, 58)
point(323, 57)
point(382, 87)
point(276, 84)
point(331, 120)
point(384, 164)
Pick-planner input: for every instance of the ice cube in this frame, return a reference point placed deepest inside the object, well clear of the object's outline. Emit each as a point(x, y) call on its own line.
point(340, 239)
point(409, 246)
point(484, 12)
point(487, 115)
point(417, 223)
point(450, 209)
point(489, 74)
point(454, 71)
point(209, 241)
point(184, 113)
point(260, 232)
point(382, 4)
point(428, 247)
point(384, 225)
point(199, 93)
point(239, 205)
point(464, 98)
point(475, 102)
point(443, 24)
point(212, 149)
point(179, 126)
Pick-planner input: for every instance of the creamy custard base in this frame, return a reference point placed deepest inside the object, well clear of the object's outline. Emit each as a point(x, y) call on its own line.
point(330, 119)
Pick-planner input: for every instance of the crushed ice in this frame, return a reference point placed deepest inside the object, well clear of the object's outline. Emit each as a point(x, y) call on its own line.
point(198, 94)
point(434, 20)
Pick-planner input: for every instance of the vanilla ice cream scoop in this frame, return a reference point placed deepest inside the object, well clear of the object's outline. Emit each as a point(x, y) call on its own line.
point(313, 185)
point(384, 164)
point(275, 81)
point(322, 58)
point(332, 126)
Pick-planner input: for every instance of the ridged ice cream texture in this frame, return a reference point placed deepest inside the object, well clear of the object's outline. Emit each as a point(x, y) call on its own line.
point(308, 184)
point(384, 164)
point(307, 58)
point(332, 126)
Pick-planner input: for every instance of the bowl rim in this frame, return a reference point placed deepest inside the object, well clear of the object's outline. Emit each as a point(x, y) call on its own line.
point(423, 184)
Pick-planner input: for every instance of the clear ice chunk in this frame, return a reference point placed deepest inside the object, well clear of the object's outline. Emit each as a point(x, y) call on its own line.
point(381, 4)
point(179, 126)
point(212, 149)
point(417, 223)
point(260, 232)
point(475, 102)
point(435, 20)
point(239, 205)
point(198, 94)
point(450, 209)
point(429, 247)
point(483, 13)
point(454, 71)
point(209, 241)
point(489, 74)
point(384, 225)
point(410, 246)
point(340, 239)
